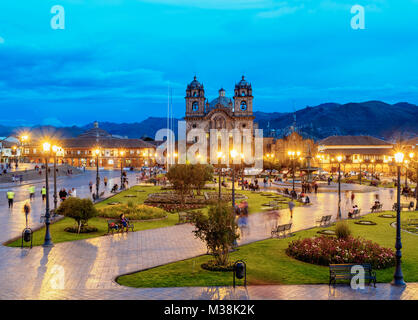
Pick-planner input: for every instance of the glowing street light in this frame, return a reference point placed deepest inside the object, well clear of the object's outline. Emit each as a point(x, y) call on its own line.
point(97, 153)
point(339, 159)
point(46, 146)
point(398, 276)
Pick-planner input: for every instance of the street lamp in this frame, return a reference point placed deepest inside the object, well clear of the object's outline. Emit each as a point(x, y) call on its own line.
point(97, 152)
point(121, 169)
point(219, 155)
point(412, 157)
point(360, 161)
point(242, 171)
point(293, 155)
point(339, 159)
point(47, 240)
point(406, 173)
point(55, 150)
point(398, 276)
point(233, 155)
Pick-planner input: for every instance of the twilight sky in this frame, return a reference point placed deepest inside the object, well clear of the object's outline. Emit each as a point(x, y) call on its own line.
point(115, 58)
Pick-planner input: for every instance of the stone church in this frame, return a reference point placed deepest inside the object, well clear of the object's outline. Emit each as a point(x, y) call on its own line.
point(222, 112)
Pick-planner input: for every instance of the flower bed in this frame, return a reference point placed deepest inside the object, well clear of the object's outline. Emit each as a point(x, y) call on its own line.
point(327, 250)
point(173, 207)
point(133, 212)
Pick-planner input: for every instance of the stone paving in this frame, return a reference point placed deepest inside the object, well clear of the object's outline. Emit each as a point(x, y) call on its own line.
point(86, 269)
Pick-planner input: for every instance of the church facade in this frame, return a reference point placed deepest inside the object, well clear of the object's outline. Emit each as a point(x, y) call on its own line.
point(222, 112)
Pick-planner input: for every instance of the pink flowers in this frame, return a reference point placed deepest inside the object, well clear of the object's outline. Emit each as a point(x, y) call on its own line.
point(325, 250)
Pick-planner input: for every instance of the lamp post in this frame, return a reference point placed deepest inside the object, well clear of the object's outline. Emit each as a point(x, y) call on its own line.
point(97, 152)
point(23, 139)
point(406, 173)
point(219, 178)
point(47, 240)
point(339, 159)
point(292, 155)
point(398, 276)
point(121, 169)
point(360, 161)
point(412, 156)
point(242, 171)
point(55, 149)
point(233, 155)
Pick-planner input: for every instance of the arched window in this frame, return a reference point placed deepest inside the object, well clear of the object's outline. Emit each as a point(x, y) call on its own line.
point(243, 93)
point(195, 106)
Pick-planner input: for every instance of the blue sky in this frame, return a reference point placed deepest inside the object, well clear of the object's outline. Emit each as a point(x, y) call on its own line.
point(115, 58)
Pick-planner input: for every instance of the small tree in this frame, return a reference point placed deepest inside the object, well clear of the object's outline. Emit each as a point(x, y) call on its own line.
point(181, 178)
point(218, 230)
point(201, 174)
point(81, 210)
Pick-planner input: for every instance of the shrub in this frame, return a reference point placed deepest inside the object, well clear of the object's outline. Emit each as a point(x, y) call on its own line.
point(81, 210)
point(133, 212)
point(218, 230)
point(342, 230)
point(327, 250)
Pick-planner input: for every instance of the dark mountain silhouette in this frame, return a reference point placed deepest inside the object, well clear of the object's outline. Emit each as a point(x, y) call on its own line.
point(374, 118)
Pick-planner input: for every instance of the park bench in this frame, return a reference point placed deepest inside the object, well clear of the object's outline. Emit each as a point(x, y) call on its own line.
point(343, 272)
point(185, 217)
point(324, 221)
point(115, 225)
point(281, 230)
point(409, 206)
point(355, 213)
point(377, 208)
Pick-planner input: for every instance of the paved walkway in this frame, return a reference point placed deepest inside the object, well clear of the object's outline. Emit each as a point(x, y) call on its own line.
point(87, 268)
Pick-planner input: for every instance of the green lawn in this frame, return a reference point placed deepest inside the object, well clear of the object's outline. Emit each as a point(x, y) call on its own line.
point(366, 182)
point(268, 263)
point(255, 200)
point(59, 235)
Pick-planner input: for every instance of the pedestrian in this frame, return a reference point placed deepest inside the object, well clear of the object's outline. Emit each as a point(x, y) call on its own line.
point(291, 206)
point(91, 186)
point(105, 181)
point(73, 192)
point(43, 193)
point(352, 197)
point(31, 192)
point(10, 198)
point(26, 211)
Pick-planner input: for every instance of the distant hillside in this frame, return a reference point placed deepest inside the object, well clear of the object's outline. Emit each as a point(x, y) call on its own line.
point(373, 118)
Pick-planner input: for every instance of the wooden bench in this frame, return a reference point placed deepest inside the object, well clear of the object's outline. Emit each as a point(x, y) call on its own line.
point(377, 208)
point(343, 272)
point(355, 213)
point(281, 230)
point(185, 217)
point(115, 225)
point(324, 221)
point(409, 206)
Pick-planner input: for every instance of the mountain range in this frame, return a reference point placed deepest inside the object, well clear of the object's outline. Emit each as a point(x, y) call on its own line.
point(374, 118)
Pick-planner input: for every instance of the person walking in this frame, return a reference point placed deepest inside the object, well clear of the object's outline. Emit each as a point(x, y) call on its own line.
point(73, 192)
point(352, 197)
point(43, 193)
point(291, 207)
point(91, 186)
point(31, 192)
point(105, 181)
point(26, 211)
point(10, 198)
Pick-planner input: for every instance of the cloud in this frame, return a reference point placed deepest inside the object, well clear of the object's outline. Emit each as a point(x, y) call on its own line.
point(282, 11)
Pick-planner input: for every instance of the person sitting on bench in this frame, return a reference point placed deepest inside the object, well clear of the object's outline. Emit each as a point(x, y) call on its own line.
point(351, 212)
point(114, 188)
point(124, 222)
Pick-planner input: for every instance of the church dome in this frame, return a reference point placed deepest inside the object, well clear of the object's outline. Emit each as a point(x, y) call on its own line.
point(95, 132)
point(221, 100)
point(243, 83)
point(195, 84)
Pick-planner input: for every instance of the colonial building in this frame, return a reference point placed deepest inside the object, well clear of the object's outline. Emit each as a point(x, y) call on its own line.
point(114, 151)
point(222, 112)
point(369, 153)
